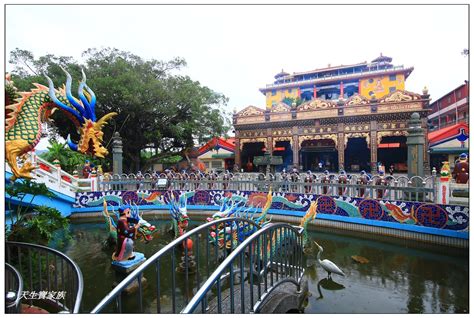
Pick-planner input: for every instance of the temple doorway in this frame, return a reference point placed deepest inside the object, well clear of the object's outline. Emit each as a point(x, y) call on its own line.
point(314, 151)
point(392, 150)
point(283, 148)
point(249, 151)
point(357, 155)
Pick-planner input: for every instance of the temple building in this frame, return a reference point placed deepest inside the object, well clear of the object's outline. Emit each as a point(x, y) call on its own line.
point(218, 154)
point(348, 117)
point(375, 79)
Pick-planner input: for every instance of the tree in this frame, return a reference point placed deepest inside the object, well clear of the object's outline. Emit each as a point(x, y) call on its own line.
point(68, 159)
point(156, 109)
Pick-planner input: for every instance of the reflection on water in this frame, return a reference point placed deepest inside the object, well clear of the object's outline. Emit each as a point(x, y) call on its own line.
point(397, 279)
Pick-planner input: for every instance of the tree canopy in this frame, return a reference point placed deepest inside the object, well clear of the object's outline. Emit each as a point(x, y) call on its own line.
point(157, 108)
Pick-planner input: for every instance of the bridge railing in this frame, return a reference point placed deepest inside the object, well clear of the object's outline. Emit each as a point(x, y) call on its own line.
point(416, 188)
point(175, 271)
point(271, 256)
point(57, 179)
point(13, 289)
point(49, 276)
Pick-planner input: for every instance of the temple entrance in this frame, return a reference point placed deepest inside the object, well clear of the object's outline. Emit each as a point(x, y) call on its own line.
point(392, 150)
point(314, 151)
point(357, 155)
point(283, 149)
point(249, 151)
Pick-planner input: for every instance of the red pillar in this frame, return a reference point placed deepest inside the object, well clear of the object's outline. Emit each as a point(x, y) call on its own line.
point(314, 92)
point(341, 94)
point(299, 92)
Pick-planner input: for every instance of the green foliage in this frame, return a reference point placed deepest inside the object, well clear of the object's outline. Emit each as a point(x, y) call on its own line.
point(33, 224)
point(156, 108)
point(38, 226)
point(70, 160)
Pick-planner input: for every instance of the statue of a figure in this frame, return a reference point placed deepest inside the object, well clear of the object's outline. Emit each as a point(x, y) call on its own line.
point(342, 179)
point(226, 178)
point(461, 169)
point(382, 181)
point(308, 179)
point(362, 180)
point(326, 180)
point(126, 234)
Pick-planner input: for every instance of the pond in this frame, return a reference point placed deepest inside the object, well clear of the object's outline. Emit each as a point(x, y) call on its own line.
point(400, 276)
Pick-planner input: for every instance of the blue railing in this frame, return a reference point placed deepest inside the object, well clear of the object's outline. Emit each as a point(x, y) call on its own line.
point(195, 267)
point(272, 256)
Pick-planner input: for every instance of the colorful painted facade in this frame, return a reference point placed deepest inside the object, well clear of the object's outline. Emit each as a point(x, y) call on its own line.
point(446, 217)
point(370, 80)
point(218, 154)
point(448, 143)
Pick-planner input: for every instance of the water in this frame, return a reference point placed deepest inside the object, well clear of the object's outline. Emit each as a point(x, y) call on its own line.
point(400, 277)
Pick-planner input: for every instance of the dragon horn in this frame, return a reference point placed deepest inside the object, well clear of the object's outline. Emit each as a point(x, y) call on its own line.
point(69, 96)
point(92, 101)
point(71, 144)
point(64, 107)
point(80, 92)
point(101, 122)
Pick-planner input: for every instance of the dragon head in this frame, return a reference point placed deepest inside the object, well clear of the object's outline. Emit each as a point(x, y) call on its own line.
point(82, 112)
point(179, 212)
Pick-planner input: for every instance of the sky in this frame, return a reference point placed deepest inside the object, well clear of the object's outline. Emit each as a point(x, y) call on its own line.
point(237, 49)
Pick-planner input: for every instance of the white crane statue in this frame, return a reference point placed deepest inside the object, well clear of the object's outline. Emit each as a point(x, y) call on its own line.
point(327, 265)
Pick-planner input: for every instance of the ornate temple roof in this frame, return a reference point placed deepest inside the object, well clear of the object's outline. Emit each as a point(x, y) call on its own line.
point(281, 74)
point(382, 58)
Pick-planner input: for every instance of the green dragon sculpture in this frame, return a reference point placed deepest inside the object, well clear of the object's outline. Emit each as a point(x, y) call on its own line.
point(26, 111)
point(145, 231)
point(308, 217)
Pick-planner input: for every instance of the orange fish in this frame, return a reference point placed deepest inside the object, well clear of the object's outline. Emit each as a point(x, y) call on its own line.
point(397, 213)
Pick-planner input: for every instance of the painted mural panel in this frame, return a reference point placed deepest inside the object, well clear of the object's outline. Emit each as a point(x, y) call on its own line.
point(449, 217)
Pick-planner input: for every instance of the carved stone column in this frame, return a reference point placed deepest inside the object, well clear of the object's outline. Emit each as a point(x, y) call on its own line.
point(117, 152)
point(426, 155)
point(237, 153)
point(340, 145)
point(269, 141)
point(415, 146)
point(296, 150)
point(340, 150)
point(373, 152)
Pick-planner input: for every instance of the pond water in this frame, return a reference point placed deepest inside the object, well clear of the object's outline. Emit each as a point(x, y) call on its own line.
point(400, 276)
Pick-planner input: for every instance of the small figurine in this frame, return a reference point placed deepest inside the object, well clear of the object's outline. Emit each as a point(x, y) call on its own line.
point(461, 169)
point(139, 178)
point(381, 181)
point(342, 179)
point(86, 170)
point(308, 179)
point(284, 179)
point(326, 180)
point(226, 178)
point(362, 180)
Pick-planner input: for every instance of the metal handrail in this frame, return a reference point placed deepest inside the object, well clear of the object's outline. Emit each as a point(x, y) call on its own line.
point(252, 244)
point(66, 272)
point(155, 259)
point(13, 284)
